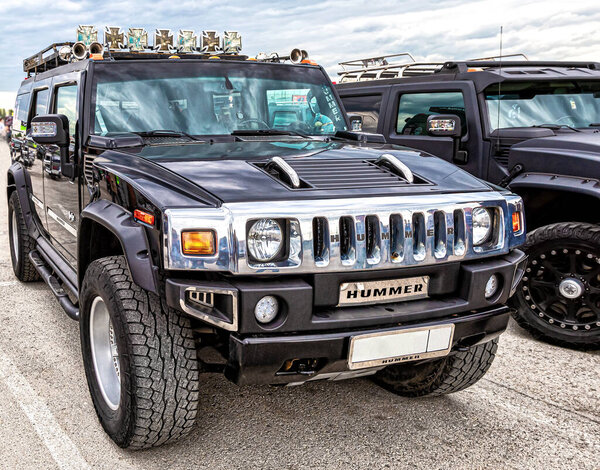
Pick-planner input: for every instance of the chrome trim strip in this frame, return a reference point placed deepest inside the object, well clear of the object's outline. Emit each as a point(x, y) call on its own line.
point(37, 202)
point(287, 169)
point(61, 222)
point(398, 165)
point(206, 317)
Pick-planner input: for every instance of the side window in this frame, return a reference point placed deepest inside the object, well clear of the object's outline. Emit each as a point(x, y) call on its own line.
point(39, 105)
point(21, 108)
point(414, 108)
point(66, 103)
point(366, 106)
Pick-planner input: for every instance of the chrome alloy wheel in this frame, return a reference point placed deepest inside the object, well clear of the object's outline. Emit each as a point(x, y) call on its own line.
point(105, 355)
point(15, 234)
point(562, 286)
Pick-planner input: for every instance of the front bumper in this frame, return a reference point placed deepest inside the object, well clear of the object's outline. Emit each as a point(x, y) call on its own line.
point(308, 303)
point(262, 360)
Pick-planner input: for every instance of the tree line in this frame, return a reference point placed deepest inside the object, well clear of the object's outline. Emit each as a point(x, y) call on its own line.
point(5, 112)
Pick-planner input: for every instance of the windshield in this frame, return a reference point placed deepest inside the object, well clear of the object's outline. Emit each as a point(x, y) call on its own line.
point(537, 103)
point(201, 98)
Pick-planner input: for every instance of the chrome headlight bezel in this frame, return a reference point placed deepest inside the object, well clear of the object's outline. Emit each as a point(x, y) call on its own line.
point(482, 218)
point(261, 233)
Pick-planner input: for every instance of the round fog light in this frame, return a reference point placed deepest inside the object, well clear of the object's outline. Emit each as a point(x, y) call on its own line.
point(266, 309)
point(492, 286)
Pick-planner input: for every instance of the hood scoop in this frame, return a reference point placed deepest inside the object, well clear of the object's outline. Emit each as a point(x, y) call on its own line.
point(341, 173)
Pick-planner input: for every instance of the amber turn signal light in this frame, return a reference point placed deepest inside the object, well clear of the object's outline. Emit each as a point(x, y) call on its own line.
point(198, 243)
point(516, 222)
point(142, 216)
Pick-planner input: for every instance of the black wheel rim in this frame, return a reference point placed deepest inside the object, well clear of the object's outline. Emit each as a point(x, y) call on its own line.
point(562, 285)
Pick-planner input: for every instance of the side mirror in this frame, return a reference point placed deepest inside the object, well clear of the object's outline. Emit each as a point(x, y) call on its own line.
point(448, 125)
point(443, 125)
point(53, 129)
point(356, 122)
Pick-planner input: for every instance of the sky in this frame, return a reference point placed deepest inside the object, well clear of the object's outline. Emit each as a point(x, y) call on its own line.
point(330, 30)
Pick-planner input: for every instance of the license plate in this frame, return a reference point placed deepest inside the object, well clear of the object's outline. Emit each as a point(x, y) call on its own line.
point(412, 344)
point(378, 292)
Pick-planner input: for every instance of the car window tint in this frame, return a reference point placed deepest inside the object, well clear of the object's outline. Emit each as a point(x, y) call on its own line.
point(414, 108)
point(366, 106)
point(66, 103)
point(21, 108)
point(41, 102)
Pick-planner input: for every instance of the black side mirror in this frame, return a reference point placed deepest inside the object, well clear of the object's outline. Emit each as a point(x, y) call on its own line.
point(53, 129)
point(448, 125)
point(356, 122)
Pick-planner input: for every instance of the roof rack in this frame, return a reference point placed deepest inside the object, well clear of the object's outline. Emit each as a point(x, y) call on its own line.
point(46, 59)
point(375, 68)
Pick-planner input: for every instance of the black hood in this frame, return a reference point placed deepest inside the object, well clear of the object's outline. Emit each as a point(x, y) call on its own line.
point(561, 152)
point(233, 171)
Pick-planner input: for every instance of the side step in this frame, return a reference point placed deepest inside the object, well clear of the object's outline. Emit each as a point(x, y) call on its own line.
point(54, 284)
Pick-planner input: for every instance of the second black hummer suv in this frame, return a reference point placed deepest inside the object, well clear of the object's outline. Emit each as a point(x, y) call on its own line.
point(533, 127)
point(177, 204)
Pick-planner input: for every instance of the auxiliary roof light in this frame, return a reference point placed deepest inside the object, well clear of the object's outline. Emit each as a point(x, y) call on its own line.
point(137, 39)
point(87, 34)
point(232, 42)
point(163, 40)
point(210, 42)
point(186, 41)
point(114, 38)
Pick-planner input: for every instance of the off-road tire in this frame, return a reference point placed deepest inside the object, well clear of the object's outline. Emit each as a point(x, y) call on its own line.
point(441, 376)
point(22, 265)
point(157, 355)
point(565, 232)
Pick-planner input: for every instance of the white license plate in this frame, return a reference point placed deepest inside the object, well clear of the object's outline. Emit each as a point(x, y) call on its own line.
point(378, 292)
point(412, 344)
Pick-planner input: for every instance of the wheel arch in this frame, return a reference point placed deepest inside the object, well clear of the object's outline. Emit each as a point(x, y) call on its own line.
point(552, 199)
point(107, 229)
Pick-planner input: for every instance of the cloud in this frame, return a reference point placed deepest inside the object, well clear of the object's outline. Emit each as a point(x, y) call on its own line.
point(331, 30)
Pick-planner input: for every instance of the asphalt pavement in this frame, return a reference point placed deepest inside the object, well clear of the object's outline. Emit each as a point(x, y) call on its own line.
point(538, 407)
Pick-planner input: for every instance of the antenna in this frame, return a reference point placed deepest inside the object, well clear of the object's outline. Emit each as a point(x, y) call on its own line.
point(500, 84)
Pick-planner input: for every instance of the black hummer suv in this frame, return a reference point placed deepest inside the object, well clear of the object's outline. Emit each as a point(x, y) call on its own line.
point(179, 204)
point(533, 127)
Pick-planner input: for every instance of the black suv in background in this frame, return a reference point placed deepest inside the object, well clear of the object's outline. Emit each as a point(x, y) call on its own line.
point(533, 127)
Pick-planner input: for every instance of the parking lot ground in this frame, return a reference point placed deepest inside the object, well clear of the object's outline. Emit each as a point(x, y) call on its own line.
point(538, 407)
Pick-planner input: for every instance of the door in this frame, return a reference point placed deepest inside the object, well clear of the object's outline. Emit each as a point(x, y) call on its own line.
point(406, 121)
point(32, 155)
point(61, 193)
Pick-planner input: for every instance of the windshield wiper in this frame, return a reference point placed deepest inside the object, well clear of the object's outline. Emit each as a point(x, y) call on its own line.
point(268, 132)
point(556, 126)
point(167, 133)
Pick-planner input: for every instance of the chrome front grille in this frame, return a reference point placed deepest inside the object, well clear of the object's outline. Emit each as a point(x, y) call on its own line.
point(348, 234)
point(408, 238)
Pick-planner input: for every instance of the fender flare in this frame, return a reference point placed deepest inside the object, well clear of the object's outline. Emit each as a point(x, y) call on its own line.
point(568, 184)
point(132, 237)
point(22, 186)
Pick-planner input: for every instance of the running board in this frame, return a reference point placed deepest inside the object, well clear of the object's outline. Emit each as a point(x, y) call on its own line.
point(55, 285)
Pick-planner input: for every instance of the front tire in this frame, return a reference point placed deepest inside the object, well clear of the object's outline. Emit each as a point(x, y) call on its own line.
point(440, 376)
point(21, 243)
point(558, 300)
point(139, 358)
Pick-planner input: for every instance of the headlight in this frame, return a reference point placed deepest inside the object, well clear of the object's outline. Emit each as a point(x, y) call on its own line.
point(265, 238)
point(482, 225)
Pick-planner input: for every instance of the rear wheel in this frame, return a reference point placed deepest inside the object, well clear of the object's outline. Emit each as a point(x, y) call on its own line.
point(558, 299)
point(21, 243)
point(139, 357)
point(440, 376)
